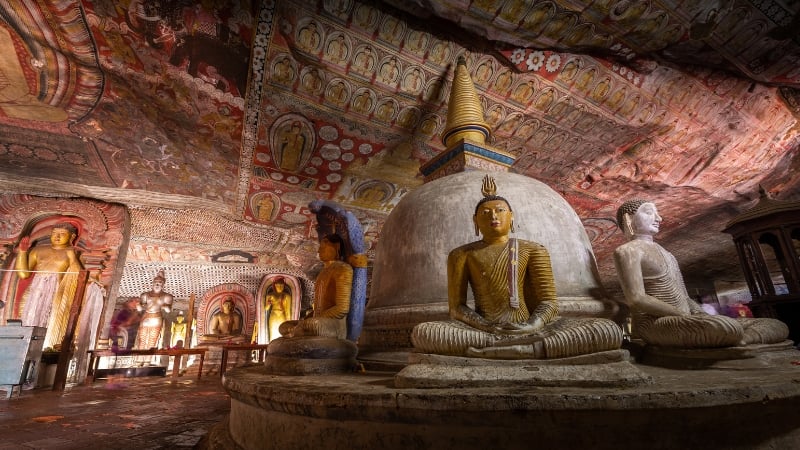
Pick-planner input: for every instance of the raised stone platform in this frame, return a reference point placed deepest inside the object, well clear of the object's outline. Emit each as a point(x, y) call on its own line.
point(603, 369)
point(714, 408)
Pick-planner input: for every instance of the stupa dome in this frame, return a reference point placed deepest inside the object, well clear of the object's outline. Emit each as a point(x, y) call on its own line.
point(409, 279)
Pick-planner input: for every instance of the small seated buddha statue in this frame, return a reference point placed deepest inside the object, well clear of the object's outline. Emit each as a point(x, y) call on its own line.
point(225, 325)
point(663, 314)
point(516, 308)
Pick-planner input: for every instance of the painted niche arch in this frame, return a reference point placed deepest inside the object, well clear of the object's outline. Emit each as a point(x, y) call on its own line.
point(243, 300)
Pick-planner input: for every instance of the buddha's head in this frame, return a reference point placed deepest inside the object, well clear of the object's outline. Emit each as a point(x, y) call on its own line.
point(180, 318)
point(227, 305)
point(493, 215)
point(330, 248)
point(279, 285)
point(63, 234)
point(638, 217)
point(158, 282)
point(493, 218)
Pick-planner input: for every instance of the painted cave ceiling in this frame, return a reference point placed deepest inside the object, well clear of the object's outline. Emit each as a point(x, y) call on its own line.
point(218, 122)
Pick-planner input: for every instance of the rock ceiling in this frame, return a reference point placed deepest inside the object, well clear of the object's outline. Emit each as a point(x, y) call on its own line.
point(218, 122)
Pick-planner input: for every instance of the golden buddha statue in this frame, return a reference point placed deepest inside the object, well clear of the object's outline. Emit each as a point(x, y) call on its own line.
point(225, 325)
point(178, 331)
point(279, 302)
point(516, 309)
point(49, 297)
point(331, 295)
point(663, 313)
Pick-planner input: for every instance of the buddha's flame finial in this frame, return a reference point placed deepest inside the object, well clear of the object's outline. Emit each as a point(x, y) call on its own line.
point(489, 188)
point(464, 110)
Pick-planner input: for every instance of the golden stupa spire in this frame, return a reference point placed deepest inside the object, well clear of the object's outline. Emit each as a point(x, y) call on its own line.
point(464, 110)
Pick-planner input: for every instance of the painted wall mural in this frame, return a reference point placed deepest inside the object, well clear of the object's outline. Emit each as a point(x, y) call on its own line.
point(240, 113)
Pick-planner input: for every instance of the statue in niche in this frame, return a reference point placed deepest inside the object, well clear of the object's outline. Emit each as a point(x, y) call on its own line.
point(516, 309)
point(225, 325)
point(663, 313)
point(331, 295)
point(154, 303)
point(178, 331)
point(279, 307)
point(48, 299)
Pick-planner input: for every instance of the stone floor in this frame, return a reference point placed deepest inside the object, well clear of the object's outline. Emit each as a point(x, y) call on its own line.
point(134, 413)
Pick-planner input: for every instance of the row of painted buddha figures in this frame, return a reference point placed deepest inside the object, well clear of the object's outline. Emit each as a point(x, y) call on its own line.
point(516, 308)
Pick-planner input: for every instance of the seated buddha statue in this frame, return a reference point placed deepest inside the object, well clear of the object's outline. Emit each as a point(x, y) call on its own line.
point(663, 314)
point(516, 309)
point(225, 325)
point(332, 291)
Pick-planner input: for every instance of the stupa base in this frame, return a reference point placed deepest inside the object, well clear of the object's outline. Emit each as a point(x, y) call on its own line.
point(609, 369)
point(745, 357)
point(754, 408)
point(310, 355)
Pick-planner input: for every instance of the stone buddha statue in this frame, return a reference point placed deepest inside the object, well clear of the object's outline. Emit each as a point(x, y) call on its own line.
point(663, 313)
point(516, 309)
point(153, 303)
point(333, 287)
point(225, 325)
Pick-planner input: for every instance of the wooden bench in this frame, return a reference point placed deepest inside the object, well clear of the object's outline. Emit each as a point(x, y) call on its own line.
point(95, 355)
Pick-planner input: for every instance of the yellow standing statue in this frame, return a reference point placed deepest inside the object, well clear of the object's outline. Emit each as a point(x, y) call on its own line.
point(49, 297)
point(279, 304)
point(178, 331)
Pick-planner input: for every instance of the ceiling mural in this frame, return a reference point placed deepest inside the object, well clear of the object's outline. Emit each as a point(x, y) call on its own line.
point(217, 122)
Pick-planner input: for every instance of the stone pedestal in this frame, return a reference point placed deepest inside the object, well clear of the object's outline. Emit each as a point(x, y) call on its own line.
point(310, 355)
point(603, 369)
point(753, 408)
